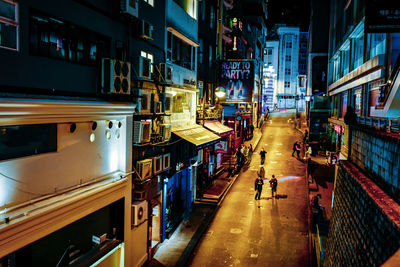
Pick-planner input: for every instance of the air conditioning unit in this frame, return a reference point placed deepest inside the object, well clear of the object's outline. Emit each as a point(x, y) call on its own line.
point(144, 100)
point(144, 68)
point(144, 167)
point(139, 212)
point(129, 7)
point(141, 131)
point(166, 161)
point(168, 103)
point(165, 131)
point(157, 164)
point(166, 72)
point(115, 76)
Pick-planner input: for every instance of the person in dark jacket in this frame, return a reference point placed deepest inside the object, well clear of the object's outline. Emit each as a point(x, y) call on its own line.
point(294, 148)
point(273, 184)
point(262, 155)
point(258, 184)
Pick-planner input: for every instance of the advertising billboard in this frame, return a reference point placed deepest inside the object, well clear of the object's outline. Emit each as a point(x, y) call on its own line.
point(237, 77)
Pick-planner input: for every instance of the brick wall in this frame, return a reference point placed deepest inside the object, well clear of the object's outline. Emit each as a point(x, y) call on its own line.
point(365, 224)
point(377, 154)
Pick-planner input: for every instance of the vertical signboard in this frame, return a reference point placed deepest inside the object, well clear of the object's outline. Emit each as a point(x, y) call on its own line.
point(237, 77)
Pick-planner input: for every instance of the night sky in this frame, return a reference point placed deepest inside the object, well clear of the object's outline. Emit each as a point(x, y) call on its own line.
point(290, 12)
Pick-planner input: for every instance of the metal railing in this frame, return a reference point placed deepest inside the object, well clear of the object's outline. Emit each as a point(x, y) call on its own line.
point(389, 125)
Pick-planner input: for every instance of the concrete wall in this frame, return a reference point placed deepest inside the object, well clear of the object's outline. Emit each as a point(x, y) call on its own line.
point(365, 224)
point(377, 153)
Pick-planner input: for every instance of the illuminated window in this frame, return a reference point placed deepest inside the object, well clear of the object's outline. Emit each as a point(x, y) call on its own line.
point(8, 25)
point(150, 2)
point(148, 56)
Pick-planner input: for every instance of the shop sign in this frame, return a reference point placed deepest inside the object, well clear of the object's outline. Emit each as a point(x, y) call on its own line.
point(382, 16)
point(237, 77)
point(221, 147)
point(238, 118)
point(338, 129)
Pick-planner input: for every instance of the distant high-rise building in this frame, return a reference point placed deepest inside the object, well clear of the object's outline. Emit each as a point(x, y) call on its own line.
point(288, 66)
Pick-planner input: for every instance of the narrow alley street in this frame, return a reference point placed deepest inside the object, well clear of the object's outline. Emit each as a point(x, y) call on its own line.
point(266, 232)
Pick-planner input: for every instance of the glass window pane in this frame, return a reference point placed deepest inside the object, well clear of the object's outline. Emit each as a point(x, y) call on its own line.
point(8, 35)
point(7, 10)
point(143, 54)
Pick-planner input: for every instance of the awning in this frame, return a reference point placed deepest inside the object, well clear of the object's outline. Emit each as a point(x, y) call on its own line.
point(218, 128)
point(197, 136)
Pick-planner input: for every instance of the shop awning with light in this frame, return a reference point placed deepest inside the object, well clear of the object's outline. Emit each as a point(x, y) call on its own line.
point(197, 135)
point(218, 128)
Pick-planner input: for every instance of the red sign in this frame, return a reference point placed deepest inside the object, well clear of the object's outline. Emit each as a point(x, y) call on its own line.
point(221, 147)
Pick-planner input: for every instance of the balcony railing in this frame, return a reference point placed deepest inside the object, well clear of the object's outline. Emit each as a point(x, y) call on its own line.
point(392, 125)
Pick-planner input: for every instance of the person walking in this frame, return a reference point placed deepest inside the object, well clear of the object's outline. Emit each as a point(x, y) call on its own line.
point(250, 152)
point(262, 155)
point(294, 148)
point(258, 184)
point(273, 183)
point(261, 172)
point(305, 139)
point(239, 157)
point(298, 147)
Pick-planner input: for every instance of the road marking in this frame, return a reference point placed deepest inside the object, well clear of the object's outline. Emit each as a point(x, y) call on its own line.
point(253, 255)
point(251, 203)
point(278, 153)
point(236, 231)
point(273, 162)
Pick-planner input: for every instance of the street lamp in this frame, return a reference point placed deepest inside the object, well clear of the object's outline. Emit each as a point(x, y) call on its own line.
point(220, 92)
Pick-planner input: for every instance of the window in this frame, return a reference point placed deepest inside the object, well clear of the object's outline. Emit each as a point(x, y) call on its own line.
point(287, 84)
point(269, 51)
point(149, 56)
point(180, 52)
point(54, 38)
point(8, 25)
point(26, 140)
point(344, 62)
point(288, 58)
point(150, 2)
point(287, 71)
point(201, 48)
point(212, 17)
point(376, 44)
point(203, 10)
point(288, 44)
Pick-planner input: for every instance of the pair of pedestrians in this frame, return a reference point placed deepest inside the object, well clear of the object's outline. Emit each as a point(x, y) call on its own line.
point(258, 184)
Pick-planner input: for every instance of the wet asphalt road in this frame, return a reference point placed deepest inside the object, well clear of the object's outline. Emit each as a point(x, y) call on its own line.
point(266, 232)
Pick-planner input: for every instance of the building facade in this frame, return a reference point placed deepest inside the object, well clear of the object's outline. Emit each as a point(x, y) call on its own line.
point(288, 70)
point(363, 86)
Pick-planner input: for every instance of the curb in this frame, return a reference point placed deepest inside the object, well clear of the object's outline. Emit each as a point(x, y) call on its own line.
point(198, 235)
